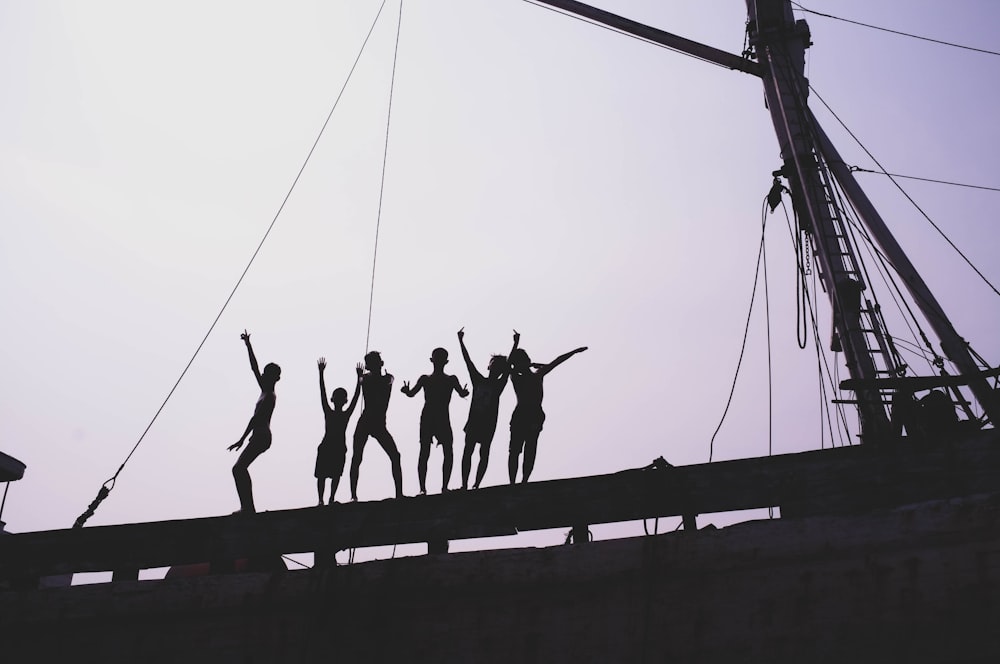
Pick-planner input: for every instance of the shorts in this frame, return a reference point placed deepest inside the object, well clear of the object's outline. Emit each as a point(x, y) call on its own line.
point(330, 460)
point(438, 429)
point(526, 423)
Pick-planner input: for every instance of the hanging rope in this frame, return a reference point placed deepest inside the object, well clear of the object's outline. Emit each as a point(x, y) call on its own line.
point(381, 189)
point(746, 334)
point(110, 483)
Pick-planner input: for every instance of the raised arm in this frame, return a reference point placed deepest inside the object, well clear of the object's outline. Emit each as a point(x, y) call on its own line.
point(545, 368)
point(410, 391)
point(253, 359)
point(465, 354)
point(321, 363)
point(357, 390)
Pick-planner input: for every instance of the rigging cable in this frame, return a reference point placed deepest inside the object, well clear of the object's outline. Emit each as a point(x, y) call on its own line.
point(110, 483)
point(381, 190)
point(767, 319)
point(896, 32)
point(743, 347)
point(822, 364)
point(858, 169)
point(903, 191)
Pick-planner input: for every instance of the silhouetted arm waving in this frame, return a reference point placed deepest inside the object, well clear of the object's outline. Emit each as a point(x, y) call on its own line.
point(545, 368)
point(357, 390)
point(465, 354)
point(253, 359)
point(411, 391)
point(321, 363)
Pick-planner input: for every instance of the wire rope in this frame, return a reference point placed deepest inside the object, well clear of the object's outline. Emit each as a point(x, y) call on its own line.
point(904, 192)
point(381, 190)
point(110, 483)
point(743, 346)
point(858, 169)
point(897, 32)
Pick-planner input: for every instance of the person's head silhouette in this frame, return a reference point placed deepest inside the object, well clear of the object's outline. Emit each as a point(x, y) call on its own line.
point(271, 374)
point(339, 397)
point(519, 360)
point(373, 361)
point(439, 357)
point(497, 365)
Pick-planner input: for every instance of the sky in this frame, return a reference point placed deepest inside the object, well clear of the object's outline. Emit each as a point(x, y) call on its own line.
point(542, 174)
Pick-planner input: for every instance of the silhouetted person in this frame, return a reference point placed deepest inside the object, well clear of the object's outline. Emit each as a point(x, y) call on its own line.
point(528, 417)
point(259, 428)
point(483, 410)
point(435, 419)
point(332, 452)
point(377, 388)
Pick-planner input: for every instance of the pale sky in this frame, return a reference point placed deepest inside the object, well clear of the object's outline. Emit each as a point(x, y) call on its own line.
point(546, 175)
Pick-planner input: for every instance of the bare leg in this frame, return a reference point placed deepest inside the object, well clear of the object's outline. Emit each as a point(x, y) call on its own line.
point(425, 455)
point(530, 447)
point(360, 438)
point(515, 451)
point(467, 460)
point(484, 459)
point(334, 483)
point(320, 486)
point(446, 467)
point(384, 439)
point(241, 475)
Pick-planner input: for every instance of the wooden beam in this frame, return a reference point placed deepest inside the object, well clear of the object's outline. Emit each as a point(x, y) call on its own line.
point(842, 480)
point(655, 35)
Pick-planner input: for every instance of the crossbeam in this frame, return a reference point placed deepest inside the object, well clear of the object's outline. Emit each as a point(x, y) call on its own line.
point(841, 480)
point(655, 35)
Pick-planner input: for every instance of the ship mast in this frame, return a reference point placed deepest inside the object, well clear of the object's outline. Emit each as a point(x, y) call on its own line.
point(809, 158)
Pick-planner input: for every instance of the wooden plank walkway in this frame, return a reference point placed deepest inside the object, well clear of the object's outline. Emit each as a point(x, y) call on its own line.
point(837, 481)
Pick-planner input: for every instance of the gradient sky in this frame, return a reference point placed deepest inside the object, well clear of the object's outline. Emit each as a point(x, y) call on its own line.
point(543, 174)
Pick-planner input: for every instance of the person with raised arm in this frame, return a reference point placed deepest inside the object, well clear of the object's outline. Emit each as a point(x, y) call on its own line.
point(528, 416)
point(332, 452)
point(376, 388)
point(435, 419)
point(484, 409)
point(259, 428)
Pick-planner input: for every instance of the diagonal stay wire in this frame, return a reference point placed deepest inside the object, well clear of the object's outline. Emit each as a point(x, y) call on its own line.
point(858, 169)
point(897, 32)
point(381, 189)
point(903, 191)
point(110, 483)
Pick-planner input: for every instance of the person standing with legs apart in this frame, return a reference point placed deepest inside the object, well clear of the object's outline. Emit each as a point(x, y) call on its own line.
point(259, 428)
point(528, 417)
point(484, 409)
point(332, 452)
point(376, 388)
point(435, 419)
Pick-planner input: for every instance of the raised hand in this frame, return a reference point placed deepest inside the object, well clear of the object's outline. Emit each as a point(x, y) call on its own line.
point(406, 387)
point(461, 333)
point(360, 369)
point(321, 363)
point(517, 336)
point(245, 336)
